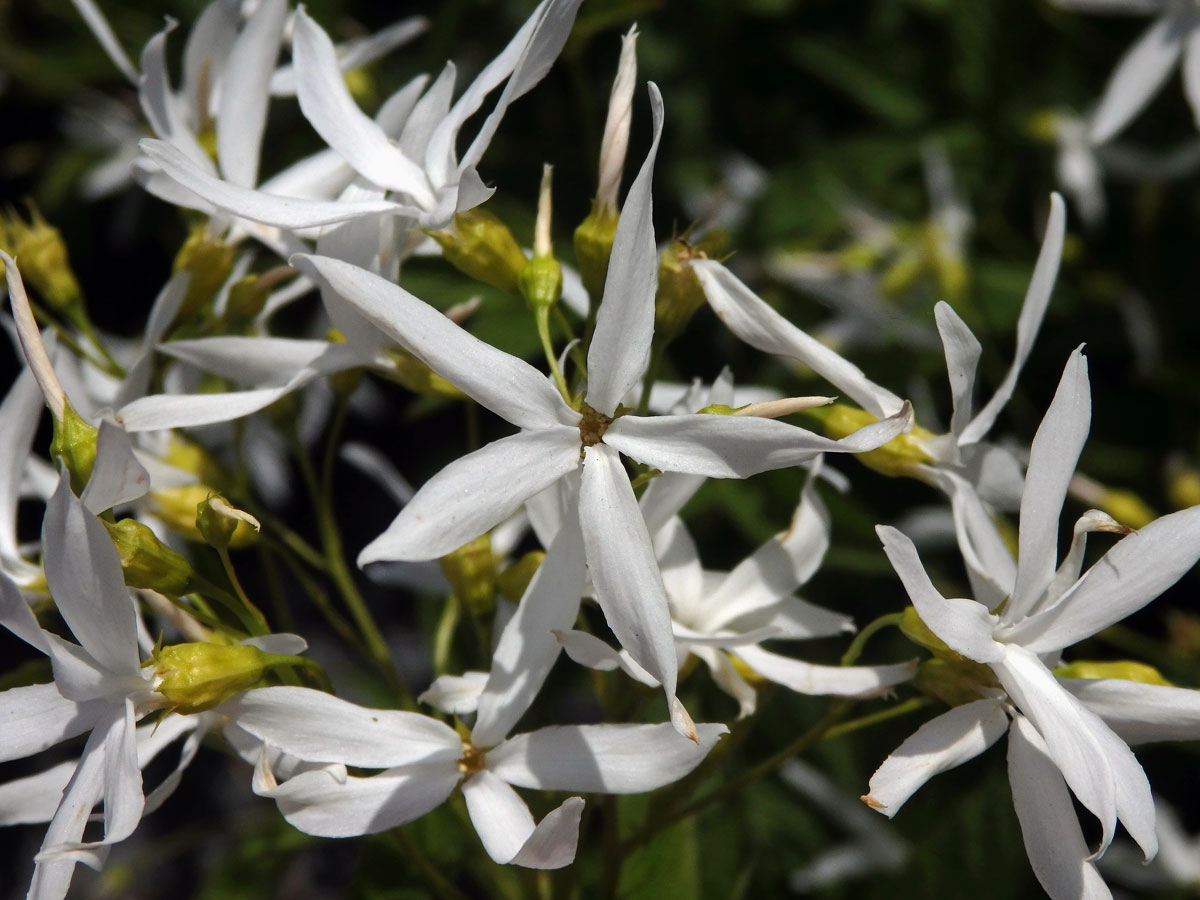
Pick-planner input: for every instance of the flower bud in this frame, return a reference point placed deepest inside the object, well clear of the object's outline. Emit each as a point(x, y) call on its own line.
point(471, 571)
point(954, 682)
point(217, 521)
point(74, 446)
point(146, 561)
point(43, 254)
point(208, 261)
point(514, 581)
point(679, 294)
point(195, 677)
point(247, 297)
point(480, 245)
point(1183, 485)
point(1125, 669)
point(540, 281)
point(899, 456)
point(418, 377)
point(593, 247)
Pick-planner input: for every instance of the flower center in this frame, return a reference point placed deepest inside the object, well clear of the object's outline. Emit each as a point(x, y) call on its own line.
point(592, 426)
point(472, 760)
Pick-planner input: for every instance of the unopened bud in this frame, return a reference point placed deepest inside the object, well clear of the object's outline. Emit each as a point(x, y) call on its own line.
point(74, 446)
point(514, 581)
point(195, 677)
point(1183, 485)
point(471, 571)
point(208, 261)
point(898, 457)
point(679, 293)
point(1125, 669)
point(593, 247)
point(146, 561)
point(217, 521)
point(615, 143)
point(419, 378)
point(541, 278)
point(43, 254)
point(955, 682)
point(480, 245)
point(247, 297)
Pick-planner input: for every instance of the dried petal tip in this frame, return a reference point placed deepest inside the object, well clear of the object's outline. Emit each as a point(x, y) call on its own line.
point(872, 802)
point(683, 722)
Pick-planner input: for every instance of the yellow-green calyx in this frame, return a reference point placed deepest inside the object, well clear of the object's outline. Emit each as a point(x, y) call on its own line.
point(514, 581)
point(592, 425)
point(415, 375)
point(593, 247)
point(1183, 486)
point(43, 257)
point(949, 676)
point(899, 456)
point(1125, 669)
point(194, 677)
point(471, 571)
point(208, 260)
point(147, 562)
point(481, 246)
point(218, 522)
point(540, 282)
point(74, 446)
point(1127, 508)
point(679, 294)
point(247, 297)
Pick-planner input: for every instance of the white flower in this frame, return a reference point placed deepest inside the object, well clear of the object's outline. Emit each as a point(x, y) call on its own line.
point(474, 493)
point(1148, 62)
point(1017, 629)
point(423, 760)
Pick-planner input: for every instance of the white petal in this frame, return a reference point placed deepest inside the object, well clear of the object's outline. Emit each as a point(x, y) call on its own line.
point(1049, 827)
point(19, 415)
point(840, 681)
point(317, 803)
point(84, 577)
point(475, 492)
point(620, 347)
point(250, 361)
point(1191, 69)
point(728, 679)
point(35, 717)
point(162, 314)
point(990, 565)
point(242, 114)
point(455, 694)
point(506, 827)
point(1138, 76)
point(36, 797)
point(1037, 298)
point(624, 571)
point(937, 746)
point(1132, 573)
point(603, 759)
point(965, 625)
point(259, 206)
point(162, 108)
point(104, 36)
point(588, 650)
point(357, 52)
point(320, 728)
point(679, 563)
point(753, 321)
point(1140, 713)
point(1052, 458)
point(528, 648)
point(664, 497)
point(281, 644)
point(736, 446)
point(509, 387)
point(962, 359)
point(328, 106)
point(117, 477)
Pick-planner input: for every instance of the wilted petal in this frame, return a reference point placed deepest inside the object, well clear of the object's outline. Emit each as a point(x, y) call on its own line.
point(1037, 298)
point(1049, 826)
point(625, 573)
point(735, 446)
point(751, 319)
point(809, 678)
point(937, 746)
point(1140, 73)
point(508, 386)
point(475, 492)
point(506, 827)
point(318, 727)
point(602, 759)
point(965, 625)
point(528, 648)
point(1052, 458)
point(620, 348)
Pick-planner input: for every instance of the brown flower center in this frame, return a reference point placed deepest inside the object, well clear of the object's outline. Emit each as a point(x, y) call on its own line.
point(592, 426)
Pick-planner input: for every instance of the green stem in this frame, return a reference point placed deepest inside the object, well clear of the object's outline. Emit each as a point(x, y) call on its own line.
point(854, 651)
point(440, 884)
point(249, 614)
point(892, 712)
point(68, 340)
point(541, 316)
point(77, 315)
point(577, 353)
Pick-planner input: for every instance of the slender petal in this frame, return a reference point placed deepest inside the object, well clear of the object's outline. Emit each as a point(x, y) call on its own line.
point(937, 746)
point(965, 626)
point(354, 54)
point(84, 576)
point(990, 565)
point(475, 492)
point(735, 446)
point(962, 359)
point(665, 496)
point(528, 648)
point(1052, 458)
point(455, 694)
point(1131, 574)
point(679, 563)
point(504, 384)
point(753, 321)
point(625, 573)
point(507, 830)
point(117, 477)
point(728, 679)
point(1049, 827)
point(840, 681)
point(24, 801)
point(1191, 68)
point(242, 113)
point(620, 348)
point(607, 759)
point(162, 109)
point(1037, 298)
point(19, 415)
point(318, 727)
point(104, 35)
point(1138, 76)
point(588, 650)
point(35, 717)
point(1140, 713)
